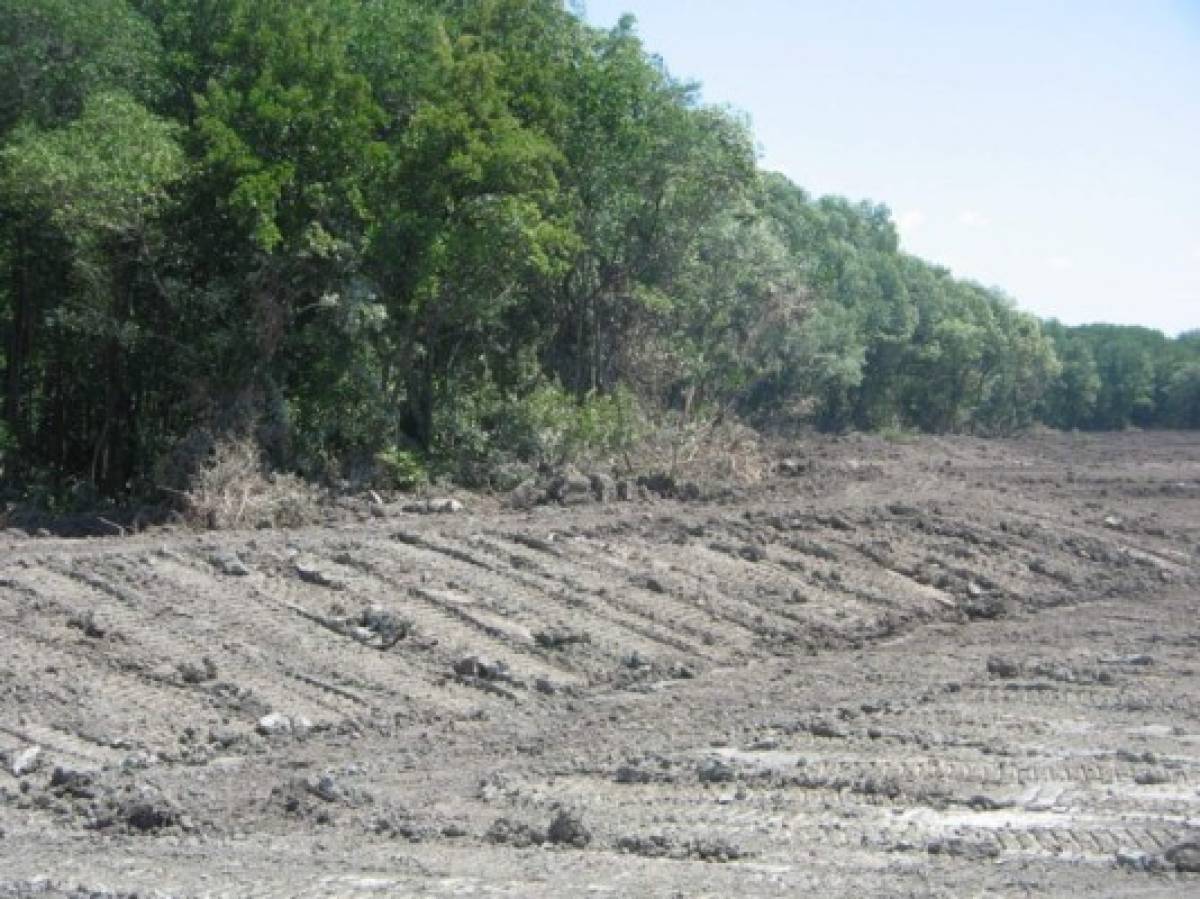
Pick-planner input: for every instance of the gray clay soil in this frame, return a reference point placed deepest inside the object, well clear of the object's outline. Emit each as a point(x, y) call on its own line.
point(950, 667)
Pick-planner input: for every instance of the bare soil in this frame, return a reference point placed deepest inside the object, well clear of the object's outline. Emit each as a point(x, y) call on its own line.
point(941, 668)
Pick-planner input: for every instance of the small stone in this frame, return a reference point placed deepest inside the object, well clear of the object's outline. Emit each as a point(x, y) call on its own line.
point(324, 787)
point(1002, 668)
point(1135, 859)
point(1151, 778)
point(715, 771)
point(26, 761)
point(274, 724)
point(604, 488)
point(228, 564)
point(1185, 857)
point(87, 623)
point(526, 496)
point(311, 574)
point(483, 669)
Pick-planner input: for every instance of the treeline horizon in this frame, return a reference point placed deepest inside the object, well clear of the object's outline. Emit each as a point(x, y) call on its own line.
point(387, 235)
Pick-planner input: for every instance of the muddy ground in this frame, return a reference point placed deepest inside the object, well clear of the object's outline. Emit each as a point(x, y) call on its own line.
point(950, 667)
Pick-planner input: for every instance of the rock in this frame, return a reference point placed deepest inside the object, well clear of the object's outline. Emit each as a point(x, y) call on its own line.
point(985, 608)
point(957, 847)
point(483, 669)
point(981, 803)
point(228, 564)
point(1140, 660)
point(660, 484)
point(225, 737)
point(138, 761)
point(324, 788)
point(792, 468)
point(526, 496)
point(310, 573)
point(545, 686)
point(653, 846)
point(572, 489)
point(192, 673)
point(71, 783)
point(716, 771)
point(1002, 668)
point(1185, 857)
point(753, 553)
point(274, 725)
point(604, 488)
point(514, 833)
point(1113, 522)
point(567, 830)
point(1151, 778)
point(717, 851)
point(379, 622)
point(635, 661)
point(560, 638)
point(87, 623)
point(26, 761)
point(1136, 860)
point(820, 728)
point(632, 774)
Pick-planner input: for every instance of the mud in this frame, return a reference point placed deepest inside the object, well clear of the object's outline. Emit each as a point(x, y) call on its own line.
point(941, 668)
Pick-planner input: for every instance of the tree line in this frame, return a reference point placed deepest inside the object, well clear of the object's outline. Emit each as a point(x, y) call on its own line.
point(364, 230)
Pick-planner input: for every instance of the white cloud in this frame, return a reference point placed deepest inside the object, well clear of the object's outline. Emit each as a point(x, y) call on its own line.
point(973, 218)
point(1061, 263)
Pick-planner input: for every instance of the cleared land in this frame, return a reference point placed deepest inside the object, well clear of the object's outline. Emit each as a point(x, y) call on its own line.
point(948, 667)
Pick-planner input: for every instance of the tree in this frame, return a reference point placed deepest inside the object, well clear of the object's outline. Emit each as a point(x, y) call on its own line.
point(100, 183)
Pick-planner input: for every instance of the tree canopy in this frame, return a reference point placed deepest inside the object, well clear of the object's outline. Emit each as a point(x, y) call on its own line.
point(351, 229)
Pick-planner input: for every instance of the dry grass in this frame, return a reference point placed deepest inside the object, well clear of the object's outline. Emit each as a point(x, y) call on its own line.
point(233, 489)
point(710, 451)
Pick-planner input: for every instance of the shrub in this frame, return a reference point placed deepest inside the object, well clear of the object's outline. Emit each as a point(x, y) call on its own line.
point(232, 489)
point(401, 469)
point(550, 425)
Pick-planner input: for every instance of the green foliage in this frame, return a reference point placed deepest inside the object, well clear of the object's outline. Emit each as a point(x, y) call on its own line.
point(1183, 397)
point(408, 235)
point(551, 425)
point(53, 53)
point(98, 179)
point(402, 469)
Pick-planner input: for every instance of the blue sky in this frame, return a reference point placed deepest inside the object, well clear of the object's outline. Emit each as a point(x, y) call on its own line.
point(1047, 147)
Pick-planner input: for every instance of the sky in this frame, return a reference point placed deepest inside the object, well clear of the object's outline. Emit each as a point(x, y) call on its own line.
point(1050, 148)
